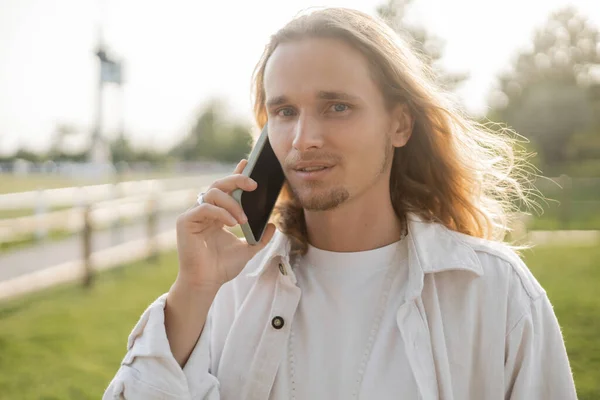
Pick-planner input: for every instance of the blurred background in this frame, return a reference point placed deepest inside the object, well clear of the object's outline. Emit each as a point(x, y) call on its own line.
point(115, 114)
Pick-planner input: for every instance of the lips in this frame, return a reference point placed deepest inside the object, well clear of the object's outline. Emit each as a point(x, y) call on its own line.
point(311, 167)
point(315, 172)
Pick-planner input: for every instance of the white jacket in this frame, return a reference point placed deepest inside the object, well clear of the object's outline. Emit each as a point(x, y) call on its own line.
point(475, 322)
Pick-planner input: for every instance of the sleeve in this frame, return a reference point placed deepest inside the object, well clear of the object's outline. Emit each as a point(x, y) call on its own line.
point(149, 370)
point(536, 363)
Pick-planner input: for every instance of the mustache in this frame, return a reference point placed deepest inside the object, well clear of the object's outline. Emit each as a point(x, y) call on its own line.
point(293, 159)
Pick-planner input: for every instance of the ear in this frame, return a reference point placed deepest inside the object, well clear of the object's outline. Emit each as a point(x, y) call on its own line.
point(402, 125)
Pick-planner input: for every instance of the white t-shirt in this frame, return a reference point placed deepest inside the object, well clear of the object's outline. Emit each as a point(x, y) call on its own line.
point(334, 333)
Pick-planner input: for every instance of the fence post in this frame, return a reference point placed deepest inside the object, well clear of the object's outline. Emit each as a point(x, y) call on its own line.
point(40, 211)
point(86, 235)
point(152, 228)
point(117, 225)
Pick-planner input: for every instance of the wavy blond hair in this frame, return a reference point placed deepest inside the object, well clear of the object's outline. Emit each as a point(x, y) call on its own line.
point(453, 170)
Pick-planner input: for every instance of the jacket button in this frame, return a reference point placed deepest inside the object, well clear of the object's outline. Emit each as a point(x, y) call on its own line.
point(282, 269)
point(277, 322)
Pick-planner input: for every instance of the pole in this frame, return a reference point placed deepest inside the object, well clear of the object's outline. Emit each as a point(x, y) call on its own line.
point(86, 235)
point(152, 210)
point(40, 213)
point(95, 149)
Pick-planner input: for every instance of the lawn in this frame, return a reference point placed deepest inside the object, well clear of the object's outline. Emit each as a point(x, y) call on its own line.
point(66, 343)
point(15, 183)
point(571, 277)
point(579, 215)
point(29, 240)
point(10, 183)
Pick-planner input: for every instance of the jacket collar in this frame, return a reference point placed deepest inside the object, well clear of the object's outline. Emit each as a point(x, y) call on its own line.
point(439, 249)
point(432, 248)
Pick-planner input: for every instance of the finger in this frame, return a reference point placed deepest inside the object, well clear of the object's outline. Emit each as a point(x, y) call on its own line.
point(240, 167)
point(224, 200)
point(209, 212)
point(232, 182)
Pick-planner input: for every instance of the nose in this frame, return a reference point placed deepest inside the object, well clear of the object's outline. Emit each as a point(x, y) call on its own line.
point(307, 134)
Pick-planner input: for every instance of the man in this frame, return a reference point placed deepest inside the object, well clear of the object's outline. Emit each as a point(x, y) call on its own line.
point(383, 279)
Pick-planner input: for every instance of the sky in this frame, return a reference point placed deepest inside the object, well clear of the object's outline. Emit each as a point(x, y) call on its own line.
point(178, 54)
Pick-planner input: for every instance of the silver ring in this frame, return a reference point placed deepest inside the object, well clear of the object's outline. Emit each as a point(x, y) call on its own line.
point(200, 199)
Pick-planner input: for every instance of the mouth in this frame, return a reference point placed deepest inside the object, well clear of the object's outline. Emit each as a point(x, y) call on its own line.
point(310, 166)
point(312, 169)
point(312, 172)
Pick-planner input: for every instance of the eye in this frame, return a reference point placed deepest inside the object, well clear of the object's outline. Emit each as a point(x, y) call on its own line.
point(339, 107)
point(285, 112)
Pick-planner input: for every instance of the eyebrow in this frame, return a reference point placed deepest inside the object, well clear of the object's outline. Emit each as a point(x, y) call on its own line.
point(322, 94)
point(336, 96)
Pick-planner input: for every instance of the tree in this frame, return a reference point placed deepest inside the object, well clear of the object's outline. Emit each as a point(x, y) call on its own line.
point(428, 46)
point(27, 155)
point(214, 137)
point(548, 93)
point(60, 134)
point(121, 150)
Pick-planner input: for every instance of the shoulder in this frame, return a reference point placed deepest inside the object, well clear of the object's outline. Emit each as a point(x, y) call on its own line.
point(506, 287)
point(500, 261)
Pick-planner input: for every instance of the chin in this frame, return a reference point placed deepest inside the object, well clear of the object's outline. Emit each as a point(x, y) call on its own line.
point(321, 200)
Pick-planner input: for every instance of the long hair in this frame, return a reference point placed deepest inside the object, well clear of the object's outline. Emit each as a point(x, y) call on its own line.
point(453, 170)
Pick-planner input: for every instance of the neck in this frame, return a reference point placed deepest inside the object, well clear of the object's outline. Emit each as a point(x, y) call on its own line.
point(363, 223)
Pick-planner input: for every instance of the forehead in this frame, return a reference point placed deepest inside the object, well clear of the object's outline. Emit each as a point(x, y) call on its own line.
point(317, 64)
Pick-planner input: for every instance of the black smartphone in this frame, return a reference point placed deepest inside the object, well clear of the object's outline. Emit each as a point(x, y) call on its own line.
point(258, 205)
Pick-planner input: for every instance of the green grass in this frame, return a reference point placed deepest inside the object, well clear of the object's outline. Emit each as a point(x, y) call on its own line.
point(67, 342)
point(10, 183)
point(578, 215)
point(29, 240)
point(571, 277)
point(14, 183)
point(26, 212)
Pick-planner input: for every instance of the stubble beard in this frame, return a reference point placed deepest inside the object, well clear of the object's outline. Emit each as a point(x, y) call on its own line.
point(328, 199)
point(324, 200)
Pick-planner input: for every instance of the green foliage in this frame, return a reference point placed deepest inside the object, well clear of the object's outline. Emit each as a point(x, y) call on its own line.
point(212, 137)
point(584, 145)
point(551, 114)
point(550, 94)
point(56, 151)
point(589, 167)
point(121, 150)
point(81, 156)
point(67, 343)
point(568, 204)
point(27, 155)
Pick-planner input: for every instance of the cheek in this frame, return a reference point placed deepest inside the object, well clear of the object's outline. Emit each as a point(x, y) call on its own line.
point(358, 139)
point(363, 153)
point(279, 144)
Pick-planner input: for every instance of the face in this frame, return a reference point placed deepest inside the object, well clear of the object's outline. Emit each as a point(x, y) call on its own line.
point(328, 122)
